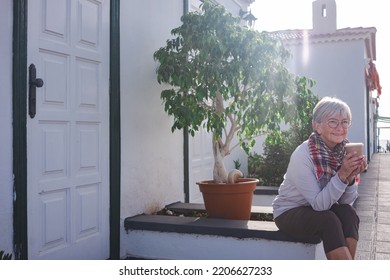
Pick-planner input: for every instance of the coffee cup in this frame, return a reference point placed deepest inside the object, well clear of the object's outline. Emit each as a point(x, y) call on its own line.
point(354, 148)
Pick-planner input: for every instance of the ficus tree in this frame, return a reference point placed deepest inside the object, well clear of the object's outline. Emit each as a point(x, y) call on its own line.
point(226, 78)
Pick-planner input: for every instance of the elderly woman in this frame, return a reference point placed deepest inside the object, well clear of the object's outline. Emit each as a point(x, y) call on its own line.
point(319, 186)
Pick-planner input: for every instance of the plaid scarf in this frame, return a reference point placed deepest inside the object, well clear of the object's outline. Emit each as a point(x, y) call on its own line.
point(326, 161)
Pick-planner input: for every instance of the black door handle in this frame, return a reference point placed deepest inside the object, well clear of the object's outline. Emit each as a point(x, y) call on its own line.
point(33, 82)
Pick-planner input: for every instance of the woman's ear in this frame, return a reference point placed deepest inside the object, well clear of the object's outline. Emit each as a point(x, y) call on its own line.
point(317, 127)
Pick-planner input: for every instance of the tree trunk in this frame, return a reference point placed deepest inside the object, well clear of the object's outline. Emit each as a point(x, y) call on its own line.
point(219, 173)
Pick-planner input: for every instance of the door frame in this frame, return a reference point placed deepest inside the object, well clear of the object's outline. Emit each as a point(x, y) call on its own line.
point(19, 100)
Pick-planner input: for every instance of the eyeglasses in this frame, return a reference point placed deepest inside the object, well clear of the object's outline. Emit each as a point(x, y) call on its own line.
point(333, 123)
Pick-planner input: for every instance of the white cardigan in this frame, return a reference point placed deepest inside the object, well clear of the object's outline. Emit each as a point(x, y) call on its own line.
point(301, 188)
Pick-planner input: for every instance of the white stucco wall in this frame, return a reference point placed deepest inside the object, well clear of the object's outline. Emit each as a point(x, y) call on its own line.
point(6, 178)
point(177, 246)
point(338, 69)
point(152, 156)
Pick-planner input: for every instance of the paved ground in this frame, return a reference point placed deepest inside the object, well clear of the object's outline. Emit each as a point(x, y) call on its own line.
point(373, 207)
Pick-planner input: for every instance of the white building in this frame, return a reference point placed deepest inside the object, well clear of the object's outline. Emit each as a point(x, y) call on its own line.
point(338, 60)
point(99, 147)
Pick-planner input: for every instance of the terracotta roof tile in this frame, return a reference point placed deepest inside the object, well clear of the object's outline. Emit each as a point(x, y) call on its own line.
point(342, 34)
point(301, 36)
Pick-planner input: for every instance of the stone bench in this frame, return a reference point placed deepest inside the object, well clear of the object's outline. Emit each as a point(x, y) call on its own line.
point(177, 237)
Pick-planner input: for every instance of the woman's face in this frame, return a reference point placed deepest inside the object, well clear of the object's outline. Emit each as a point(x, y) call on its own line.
point(333, 129)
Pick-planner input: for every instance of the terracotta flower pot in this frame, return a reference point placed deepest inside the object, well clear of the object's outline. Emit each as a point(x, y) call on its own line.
point(228, 201)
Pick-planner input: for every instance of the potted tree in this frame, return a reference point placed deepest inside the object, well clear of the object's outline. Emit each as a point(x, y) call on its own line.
point(230, 80)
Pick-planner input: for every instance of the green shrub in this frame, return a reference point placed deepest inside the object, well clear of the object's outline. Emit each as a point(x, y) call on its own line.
point(270, 167)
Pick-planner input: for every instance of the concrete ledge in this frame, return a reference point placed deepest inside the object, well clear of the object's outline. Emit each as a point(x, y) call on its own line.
point(179, 237)
point(187, 208)
point(207, 226)
point(155, 245)
point(266, 190)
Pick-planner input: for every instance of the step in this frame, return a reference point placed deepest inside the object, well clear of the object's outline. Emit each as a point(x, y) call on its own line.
point(178, 237)
point(266, 190)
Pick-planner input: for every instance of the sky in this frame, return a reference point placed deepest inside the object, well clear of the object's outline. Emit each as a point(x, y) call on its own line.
point(275, 15)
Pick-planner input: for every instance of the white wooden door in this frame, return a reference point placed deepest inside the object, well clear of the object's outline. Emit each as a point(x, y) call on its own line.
point(200, 149)
point(201, 162)
point(68, 139)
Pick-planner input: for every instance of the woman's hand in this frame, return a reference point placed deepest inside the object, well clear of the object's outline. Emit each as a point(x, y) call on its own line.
point(352, 165)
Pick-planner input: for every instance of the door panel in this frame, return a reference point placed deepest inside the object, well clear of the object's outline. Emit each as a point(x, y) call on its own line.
point(67, 141)
point(201, 157)
point(201, 162)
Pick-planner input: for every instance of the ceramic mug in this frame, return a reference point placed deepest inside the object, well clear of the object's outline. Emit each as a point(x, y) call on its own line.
point(354, 147)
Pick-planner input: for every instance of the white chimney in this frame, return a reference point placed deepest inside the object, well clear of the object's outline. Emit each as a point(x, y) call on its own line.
point(324, 16)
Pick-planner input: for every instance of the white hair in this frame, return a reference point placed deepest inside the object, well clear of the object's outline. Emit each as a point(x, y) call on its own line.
point(330, 106)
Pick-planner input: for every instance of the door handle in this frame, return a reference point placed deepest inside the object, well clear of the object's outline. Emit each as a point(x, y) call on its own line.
point(33, 82)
